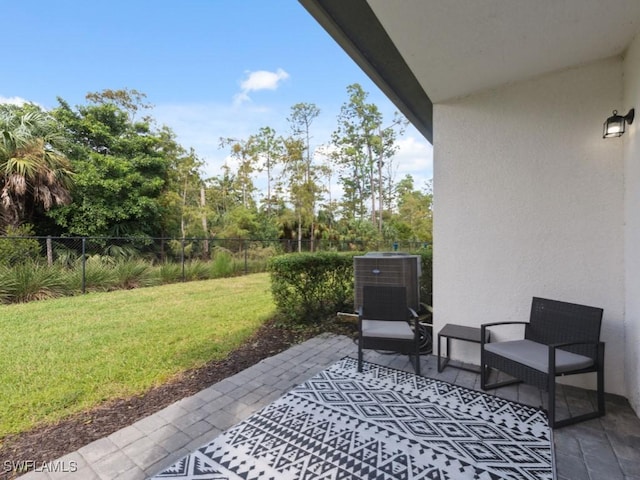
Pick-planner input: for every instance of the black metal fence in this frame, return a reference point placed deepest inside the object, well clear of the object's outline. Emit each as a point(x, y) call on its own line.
point(234, 255)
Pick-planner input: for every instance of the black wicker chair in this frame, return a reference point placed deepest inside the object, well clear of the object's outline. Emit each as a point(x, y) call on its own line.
point(559, 339)
point(385, 322)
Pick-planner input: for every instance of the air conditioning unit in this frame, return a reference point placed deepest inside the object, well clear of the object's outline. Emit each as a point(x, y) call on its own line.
point(388, 268)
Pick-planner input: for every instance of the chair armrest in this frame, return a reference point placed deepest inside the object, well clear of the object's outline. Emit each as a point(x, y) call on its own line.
point(599, 348)
point(414, 318)
point(501, 323)
point(567, 344)
point(483, 329)
point(599, 361)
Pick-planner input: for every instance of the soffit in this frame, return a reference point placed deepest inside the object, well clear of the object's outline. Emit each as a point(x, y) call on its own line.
point(457, 47)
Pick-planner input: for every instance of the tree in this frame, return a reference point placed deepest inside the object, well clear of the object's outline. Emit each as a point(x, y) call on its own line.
point(267, 150)
point(190, 187)
point(386, 148)
point(34, 172)
point(294, 174)
point(362, 147)
point(129, 100)
point(187, 185)
point(300, 120)
point(222, 194)
point(326, 215)
point(122, 169)
point(354, 142)
point(242, 154)
point(414, 218)
point(306, 191)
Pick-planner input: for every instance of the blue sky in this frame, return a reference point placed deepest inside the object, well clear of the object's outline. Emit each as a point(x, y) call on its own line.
point(211, 68)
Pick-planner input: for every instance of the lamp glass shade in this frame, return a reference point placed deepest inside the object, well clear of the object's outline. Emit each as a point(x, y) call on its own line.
point(614, 126)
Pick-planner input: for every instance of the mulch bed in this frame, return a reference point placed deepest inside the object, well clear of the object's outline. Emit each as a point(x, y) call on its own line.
point(50, 442)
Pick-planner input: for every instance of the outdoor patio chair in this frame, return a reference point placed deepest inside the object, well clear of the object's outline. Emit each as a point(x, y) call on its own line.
point(385, 322)
point(559, 339)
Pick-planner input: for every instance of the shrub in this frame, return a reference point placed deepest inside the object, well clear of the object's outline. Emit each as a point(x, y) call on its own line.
point(257, 258)
point(426, 280)
point(169, 273)
point(133, 274)
point(64, 256)
point(307, 287)
point(197, 270)
point(7, 284)
point(121, 252)
point(99, 275)
point(223, 264)
point(30, 281)
point(15, 249)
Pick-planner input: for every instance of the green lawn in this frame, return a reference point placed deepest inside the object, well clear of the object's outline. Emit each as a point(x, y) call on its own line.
point(65, 355)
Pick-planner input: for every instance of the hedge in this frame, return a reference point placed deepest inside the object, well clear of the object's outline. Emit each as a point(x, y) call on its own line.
point(309, 287)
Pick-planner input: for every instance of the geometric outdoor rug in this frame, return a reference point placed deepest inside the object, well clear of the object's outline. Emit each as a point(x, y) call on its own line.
point(381, 424)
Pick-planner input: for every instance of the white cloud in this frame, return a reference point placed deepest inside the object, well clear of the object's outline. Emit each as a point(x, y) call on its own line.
point(240, 98)
point(414, 157)
point(202, 125)
point(13, 100)
point(263, 80)
point(259, 80)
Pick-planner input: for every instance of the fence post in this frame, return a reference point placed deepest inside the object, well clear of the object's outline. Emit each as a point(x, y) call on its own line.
point(84, 265)
point(49, 251)
point(182, 261)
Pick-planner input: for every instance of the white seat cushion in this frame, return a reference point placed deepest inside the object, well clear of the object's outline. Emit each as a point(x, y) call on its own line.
point(387, 329)
point(536, 355)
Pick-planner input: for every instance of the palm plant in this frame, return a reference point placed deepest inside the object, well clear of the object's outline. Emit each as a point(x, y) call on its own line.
point(31, 281)
point(33, 170)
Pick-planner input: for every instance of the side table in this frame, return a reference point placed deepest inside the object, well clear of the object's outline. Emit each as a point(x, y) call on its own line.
point(457, 332)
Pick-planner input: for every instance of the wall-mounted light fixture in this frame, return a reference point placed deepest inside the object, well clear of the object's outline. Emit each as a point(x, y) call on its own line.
point(614, 126)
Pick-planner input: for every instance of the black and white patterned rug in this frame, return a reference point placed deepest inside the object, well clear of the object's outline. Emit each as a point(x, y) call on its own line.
point(382, 424)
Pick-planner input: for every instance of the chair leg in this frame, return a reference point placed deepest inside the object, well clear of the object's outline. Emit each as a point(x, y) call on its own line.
point(359, 358)
point(600, 380)
point(416, 365)
point(484, 369)
point(551, 408)
point(555, 424)
point(485, 373)
point(600, 393)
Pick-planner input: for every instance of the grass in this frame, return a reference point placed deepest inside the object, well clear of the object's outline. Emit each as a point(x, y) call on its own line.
point(65, 355)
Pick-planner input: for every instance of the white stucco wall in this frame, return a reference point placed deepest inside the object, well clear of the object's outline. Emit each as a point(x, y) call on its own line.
point(632, 225)
point(528, 201)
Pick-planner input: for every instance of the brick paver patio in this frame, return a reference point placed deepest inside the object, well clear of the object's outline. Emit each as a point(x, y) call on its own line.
point(606, 448)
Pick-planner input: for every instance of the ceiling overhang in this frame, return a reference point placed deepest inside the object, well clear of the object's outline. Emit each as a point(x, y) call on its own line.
point(421, 52)
point(355, 27)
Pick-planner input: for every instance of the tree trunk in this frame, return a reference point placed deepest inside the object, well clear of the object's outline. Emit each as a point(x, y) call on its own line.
point(184, 203)
point(372, 186)
point(311, 240)
point(380, 194)
point(205, 228)
point(299, 232)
